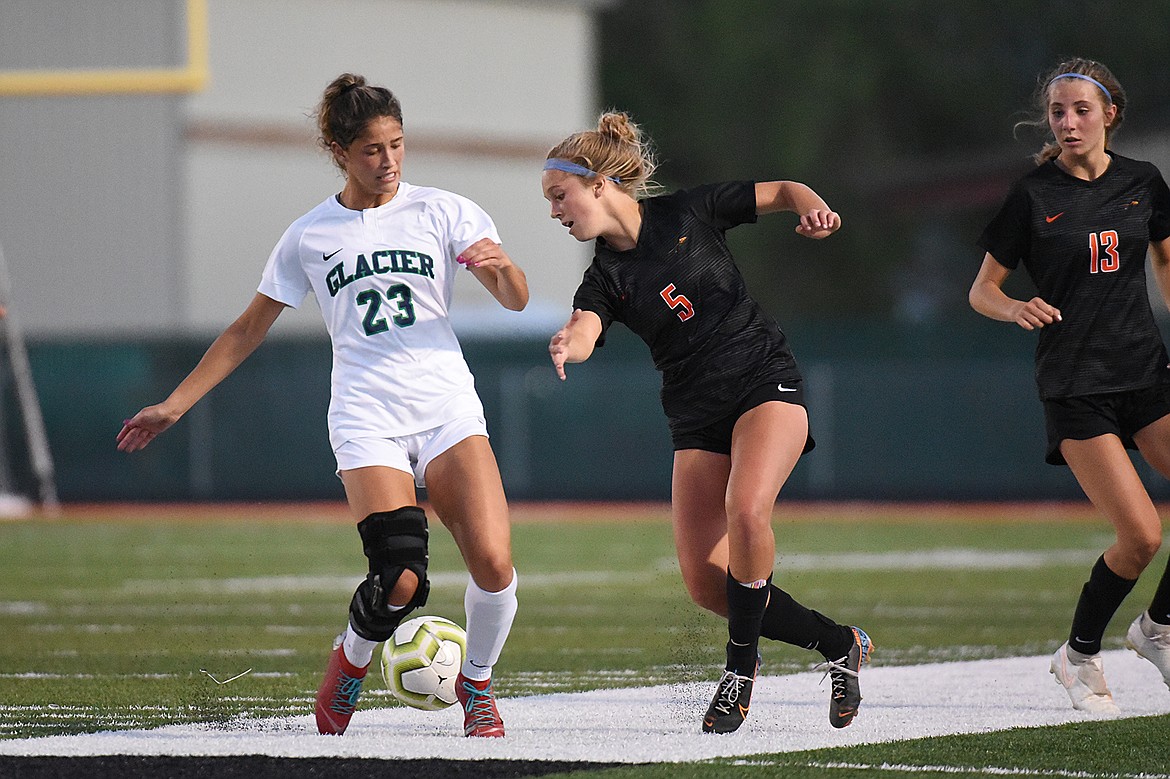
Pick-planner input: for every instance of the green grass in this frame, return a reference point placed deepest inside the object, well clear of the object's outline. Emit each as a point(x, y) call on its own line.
point(107, 624)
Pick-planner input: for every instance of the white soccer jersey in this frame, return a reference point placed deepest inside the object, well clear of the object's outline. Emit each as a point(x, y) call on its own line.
point(383, 278)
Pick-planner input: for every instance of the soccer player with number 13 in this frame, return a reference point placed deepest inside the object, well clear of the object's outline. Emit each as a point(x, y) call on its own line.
point(1081, 224)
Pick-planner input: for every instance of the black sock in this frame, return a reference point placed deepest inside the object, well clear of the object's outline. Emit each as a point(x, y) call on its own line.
point(1160, 606)
point(1100, 598)
point(745, 610)
point(786, 620)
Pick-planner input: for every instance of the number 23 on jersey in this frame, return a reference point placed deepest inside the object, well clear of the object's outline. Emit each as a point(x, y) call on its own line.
point(398, 295)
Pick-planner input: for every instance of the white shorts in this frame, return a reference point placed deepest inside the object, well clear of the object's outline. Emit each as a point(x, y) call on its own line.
point(409, 453)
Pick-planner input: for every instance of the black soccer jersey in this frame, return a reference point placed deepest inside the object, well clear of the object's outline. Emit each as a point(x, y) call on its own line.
point(680, 291)
point(1084, 245)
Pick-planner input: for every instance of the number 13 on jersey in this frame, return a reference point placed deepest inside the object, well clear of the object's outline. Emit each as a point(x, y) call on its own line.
point(674, 301)
point(1103, 256)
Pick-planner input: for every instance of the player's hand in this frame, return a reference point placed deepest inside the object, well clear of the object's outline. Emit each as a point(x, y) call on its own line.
point(141, 429)
point(558, 347)
point(819, 223)
point(484, 253)
point(1035, 313)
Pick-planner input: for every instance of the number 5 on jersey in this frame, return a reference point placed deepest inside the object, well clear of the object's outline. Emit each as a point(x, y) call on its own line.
point(674, 301)
point(1103, 256)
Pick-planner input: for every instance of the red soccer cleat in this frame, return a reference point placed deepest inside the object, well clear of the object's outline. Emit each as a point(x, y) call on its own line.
point(480, 717)
point(338, 695)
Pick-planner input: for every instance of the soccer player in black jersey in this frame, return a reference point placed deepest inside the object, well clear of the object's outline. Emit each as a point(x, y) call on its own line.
point(1081, 223)
point(730, 386)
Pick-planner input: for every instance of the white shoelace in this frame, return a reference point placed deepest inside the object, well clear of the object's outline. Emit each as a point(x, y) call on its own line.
point(839, 671)
point(729, 693)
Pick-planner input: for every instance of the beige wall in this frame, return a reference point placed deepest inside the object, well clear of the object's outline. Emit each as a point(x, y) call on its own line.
point(486, 88)
point(135, 207)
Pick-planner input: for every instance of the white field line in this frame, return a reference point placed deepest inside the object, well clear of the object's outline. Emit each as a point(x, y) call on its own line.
point(965, 770)
point(661, 724)
point(910, 560)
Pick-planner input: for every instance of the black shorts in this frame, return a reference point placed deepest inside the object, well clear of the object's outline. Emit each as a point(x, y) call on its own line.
point(1088, 416)
point(716, 437)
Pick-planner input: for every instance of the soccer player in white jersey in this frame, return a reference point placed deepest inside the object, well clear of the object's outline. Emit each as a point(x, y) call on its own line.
point(381, 257)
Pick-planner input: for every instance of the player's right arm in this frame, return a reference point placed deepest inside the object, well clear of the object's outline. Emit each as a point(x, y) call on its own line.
point(988, 298)
point(224, 355)
point(575, 341)
point(817, 220)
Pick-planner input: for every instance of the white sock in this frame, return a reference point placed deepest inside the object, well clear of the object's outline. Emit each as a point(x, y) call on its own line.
point(358, 650)
point(489, 620)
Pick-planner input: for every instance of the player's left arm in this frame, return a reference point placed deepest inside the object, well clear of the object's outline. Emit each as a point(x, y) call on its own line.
point(489, 263)
point(817, 220)
point(1160, 264)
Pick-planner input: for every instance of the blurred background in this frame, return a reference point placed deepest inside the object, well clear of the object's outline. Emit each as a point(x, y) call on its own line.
point(156, 150)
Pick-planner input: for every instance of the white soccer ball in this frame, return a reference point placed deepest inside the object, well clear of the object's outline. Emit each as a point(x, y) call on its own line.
point(422, 659)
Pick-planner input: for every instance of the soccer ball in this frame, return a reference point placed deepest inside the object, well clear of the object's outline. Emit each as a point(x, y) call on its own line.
point(422, 659)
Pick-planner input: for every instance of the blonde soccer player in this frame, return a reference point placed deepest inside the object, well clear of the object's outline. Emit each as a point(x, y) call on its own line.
point(731, 389)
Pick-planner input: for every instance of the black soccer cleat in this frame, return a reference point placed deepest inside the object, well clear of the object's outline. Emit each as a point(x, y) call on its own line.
point(846, 697)
point(729, 707)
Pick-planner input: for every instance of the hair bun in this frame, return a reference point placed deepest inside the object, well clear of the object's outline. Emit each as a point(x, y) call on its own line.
point(617, 125)
point(616, 150)
point(347, 81)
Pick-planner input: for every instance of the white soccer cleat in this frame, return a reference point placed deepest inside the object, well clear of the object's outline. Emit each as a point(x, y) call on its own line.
point(1155, 648)
point(1084, 681)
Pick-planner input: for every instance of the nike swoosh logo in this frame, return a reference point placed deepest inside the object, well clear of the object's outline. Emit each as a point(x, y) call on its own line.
point(327, 257)
point(782, 388)
point(1051, 219)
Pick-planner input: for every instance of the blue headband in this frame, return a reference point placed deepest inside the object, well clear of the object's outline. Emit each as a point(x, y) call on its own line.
point(556, 163)
point(1090, 79)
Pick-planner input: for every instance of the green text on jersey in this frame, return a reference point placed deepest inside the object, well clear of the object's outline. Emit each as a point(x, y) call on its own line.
point(382, 261)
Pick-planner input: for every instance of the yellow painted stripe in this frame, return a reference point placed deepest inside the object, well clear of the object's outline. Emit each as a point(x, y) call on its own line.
point(192, 77)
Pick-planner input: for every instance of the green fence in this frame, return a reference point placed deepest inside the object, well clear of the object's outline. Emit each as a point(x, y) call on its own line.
point(943, 413)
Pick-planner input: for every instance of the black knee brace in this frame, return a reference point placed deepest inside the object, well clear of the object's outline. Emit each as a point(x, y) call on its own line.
point(394, 541)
